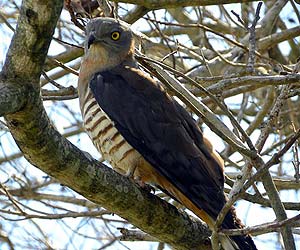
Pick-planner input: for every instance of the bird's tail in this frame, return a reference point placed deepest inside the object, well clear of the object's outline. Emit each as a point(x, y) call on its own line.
point(239, 242)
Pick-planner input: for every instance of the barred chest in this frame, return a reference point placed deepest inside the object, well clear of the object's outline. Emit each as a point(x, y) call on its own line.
point(109, 142)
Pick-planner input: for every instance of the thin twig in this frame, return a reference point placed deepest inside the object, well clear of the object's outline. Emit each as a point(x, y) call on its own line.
point(12, 199)
point(252, 40)
point(69, 69)
point(72, 14)
point(264, 228)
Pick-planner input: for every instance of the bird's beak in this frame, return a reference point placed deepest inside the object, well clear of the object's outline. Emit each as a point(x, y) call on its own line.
point(91, 40)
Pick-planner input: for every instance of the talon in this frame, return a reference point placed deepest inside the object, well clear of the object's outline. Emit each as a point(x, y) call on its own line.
point(152, 189)
point(148, 188)
point(130, 172)
point(144, 186)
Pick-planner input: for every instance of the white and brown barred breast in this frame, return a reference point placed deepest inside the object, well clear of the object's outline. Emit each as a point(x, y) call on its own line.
point(109, 142)
point(112, 145)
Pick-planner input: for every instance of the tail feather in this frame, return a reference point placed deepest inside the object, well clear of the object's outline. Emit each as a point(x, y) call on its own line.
point(239, 242)
point(244, 242)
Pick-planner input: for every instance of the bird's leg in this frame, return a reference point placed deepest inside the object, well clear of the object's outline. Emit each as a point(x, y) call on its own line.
point(137, 179)
point(130, 171)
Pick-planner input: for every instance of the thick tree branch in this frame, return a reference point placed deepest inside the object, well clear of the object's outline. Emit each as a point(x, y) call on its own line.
point(30, 43)
point(12, 98)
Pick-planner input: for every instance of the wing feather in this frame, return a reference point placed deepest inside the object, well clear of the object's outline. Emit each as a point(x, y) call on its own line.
point(163, 133)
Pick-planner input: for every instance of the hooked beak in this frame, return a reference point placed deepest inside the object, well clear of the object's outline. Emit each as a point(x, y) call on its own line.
point(91, 40)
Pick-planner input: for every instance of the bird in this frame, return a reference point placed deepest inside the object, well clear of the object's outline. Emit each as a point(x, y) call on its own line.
point(144, 133)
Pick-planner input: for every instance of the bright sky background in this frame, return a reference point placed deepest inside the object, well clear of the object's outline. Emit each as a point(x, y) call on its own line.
point(254, 214)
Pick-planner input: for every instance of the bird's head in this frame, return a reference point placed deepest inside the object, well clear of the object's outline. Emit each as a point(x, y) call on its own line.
point(110, 39)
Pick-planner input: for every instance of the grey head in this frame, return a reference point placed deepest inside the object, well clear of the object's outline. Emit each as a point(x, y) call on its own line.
point(109, 33)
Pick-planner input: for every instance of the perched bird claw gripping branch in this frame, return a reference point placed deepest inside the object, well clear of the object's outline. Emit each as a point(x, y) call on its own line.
point(143, 132)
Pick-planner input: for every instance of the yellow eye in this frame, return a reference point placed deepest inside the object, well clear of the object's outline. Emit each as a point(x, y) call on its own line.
point(115, 35)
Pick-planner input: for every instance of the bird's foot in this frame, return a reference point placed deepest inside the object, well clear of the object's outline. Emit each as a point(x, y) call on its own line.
point(144, 185)
point(130, 172)
point(138, 180)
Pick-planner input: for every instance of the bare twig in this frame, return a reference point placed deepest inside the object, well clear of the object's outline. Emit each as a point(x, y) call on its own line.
point(252, 40)
point(264, 228)
point(12, 200)
point(72, 14)
point(106, 7)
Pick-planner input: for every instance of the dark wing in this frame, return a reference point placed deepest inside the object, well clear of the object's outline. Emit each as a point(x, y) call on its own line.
point(163, 133)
